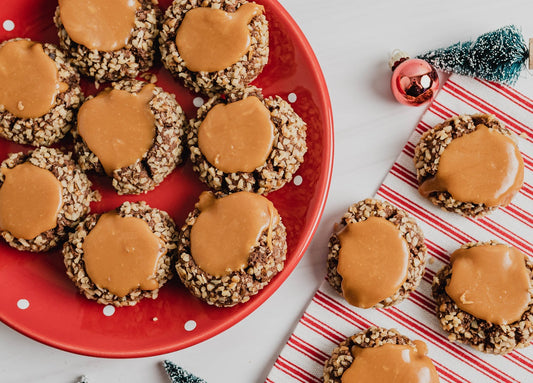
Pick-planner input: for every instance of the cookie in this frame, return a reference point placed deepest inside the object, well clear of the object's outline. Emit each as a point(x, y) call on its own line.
point(40, 93)
point(43, 195)
point(469, 165)
point(134, 132)
point(377, 354)
point(218, 66)
point(282, 155)
point(122, 256)
point(498, 321)
point(230, 247)
point(384, 255)
point(108, 41)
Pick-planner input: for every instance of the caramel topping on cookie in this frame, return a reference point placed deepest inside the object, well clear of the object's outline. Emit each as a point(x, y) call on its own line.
point(391, 363)
point(30, 199)
point(121, 254)
point(373, 261)
point(491, 282)
point(237, 137)
point(483, 167)
point(227, 230)
point(210, 39)
point(118, 126)
point(29, 79)
point(103, 25)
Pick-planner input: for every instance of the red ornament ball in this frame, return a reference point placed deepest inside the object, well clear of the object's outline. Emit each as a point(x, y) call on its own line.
point(414, 81)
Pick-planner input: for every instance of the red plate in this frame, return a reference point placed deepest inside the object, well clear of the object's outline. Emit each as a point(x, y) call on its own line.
point(59, 316)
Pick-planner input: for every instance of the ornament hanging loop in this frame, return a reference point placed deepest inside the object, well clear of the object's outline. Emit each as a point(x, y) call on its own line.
point(397, 57)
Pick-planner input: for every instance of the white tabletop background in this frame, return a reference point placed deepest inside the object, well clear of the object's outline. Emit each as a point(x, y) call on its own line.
point(352, 40)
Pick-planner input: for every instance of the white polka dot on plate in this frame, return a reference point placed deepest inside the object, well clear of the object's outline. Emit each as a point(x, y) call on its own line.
point(298, 180)
point(8, 25)
point(190, 325)
point(108, 310)
point(292, 97)
point(23, 304)
point(198, 101)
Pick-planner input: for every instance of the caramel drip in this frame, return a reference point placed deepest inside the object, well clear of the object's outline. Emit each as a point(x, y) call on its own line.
point(102, 25)
point(29, 79)
point(30, 200)
point(483, 167)
point(227, 230)
point(210, 39)
point(373, 261)
point(391, 363)
point(121, 254)
point(237, 137)
point(118, 126)
point(491, 282)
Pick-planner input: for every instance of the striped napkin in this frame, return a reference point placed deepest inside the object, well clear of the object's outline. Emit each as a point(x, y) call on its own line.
point(329, 319)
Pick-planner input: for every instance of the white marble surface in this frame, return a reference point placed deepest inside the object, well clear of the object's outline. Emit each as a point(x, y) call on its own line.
point(352, 40)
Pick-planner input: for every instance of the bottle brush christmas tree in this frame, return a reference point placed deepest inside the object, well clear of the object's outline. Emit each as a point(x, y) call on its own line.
point(497, 56)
